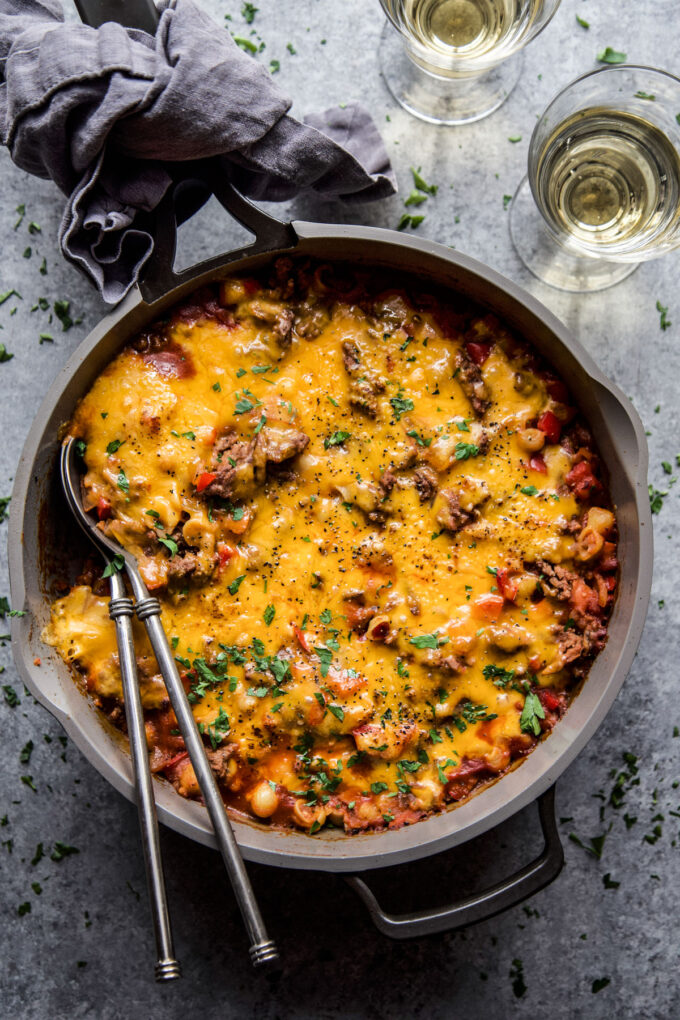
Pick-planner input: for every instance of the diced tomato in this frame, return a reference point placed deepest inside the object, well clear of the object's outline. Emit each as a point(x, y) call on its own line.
point(536, 463)
point(549, 699)
point(238, 527)
point(556, 389)
point(488, 607)
point(251, 285)
point(103, 509)
point(225, 552)
point(302, 639)
point(463, 779)
point(583, 599)
point(536, 663)
point(508, 586)
point(204, 480)
point(581, 480)
point(342, 683)
point(478, 351)
point(550, 425)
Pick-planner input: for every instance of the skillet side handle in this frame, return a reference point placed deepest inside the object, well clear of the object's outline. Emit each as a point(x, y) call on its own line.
point(158, 276)
point(140, 14)
point(480, 907)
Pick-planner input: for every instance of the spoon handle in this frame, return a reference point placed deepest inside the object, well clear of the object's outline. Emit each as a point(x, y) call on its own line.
point(121, 611)
point(262, 948)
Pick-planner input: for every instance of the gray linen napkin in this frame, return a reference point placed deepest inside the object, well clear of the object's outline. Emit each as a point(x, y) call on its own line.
point(109, 115)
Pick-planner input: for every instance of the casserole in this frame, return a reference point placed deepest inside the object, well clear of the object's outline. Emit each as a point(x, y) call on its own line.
point(375, 527)
point(40, 533)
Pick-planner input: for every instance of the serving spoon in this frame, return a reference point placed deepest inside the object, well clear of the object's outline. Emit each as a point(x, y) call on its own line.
point(121, 611)
point(148, 609)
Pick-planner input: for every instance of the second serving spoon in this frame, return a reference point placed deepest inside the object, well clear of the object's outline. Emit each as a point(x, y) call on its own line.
point(148, 609)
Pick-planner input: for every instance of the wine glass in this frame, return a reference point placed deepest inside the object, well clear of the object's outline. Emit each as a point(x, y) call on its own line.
point(602, 191)
point(454, 61)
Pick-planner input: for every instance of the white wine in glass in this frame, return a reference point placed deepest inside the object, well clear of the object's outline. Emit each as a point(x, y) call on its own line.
point(453, 61)
point(603, 188)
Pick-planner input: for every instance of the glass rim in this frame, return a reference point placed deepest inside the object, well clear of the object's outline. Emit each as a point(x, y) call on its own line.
point(613, 67)
point(583, 77)
point(387, 4)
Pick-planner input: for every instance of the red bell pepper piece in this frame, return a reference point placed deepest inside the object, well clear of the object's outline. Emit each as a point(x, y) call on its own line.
point(103, 509)
point(549, 699)
point(302, 639)
point(225, 552)
point(478, 351)
point(508, 586)
point(581, 480)
point(550, 425)
point(536, 463)
point(204, 480)
point(557, 390)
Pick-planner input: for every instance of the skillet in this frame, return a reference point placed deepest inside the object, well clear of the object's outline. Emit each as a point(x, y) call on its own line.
point(42, 547)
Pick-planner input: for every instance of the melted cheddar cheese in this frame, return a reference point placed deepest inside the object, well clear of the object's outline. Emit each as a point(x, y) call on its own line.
point(354, 508)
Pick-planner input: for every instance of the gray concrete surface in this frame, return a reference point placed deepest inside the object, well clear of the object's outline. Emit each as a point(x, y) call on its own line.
point(85, 948)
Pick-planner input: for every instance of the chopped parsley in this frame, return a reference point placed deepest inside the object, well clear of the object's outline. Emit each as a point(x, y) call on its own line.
point(582, 21)
point(600, 983)
point(11, 697)
point(62, 850)
point(409, 221)
point(122, 481)
point(336, 439)
point(269, 614)
point(499, 676)
point(170, 545)
point(236, 584)
point(337, 712)
point(421, 184)
point(466, 450)
point(529, 490)
point(415, 198)
point(428, 641)
point(61, 310)
point(664, 321)
point(401, 405)
point(114, 565)
point(414, 434)
point(611, 56)
point(532, 713)
point(245, 44)
point(114, 446)
point(656, 497)
point(248, 12)
point(326, 658)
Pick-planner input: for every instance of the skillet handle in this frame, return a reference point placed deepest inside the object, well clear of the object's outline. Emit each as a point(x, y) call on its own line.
point(140, 14)
point(180, 201)
point(481, 906)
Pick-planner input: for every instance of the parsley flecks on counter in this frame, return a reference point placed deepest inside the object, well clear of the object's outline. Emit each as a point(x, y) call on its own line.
point(385, 562)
